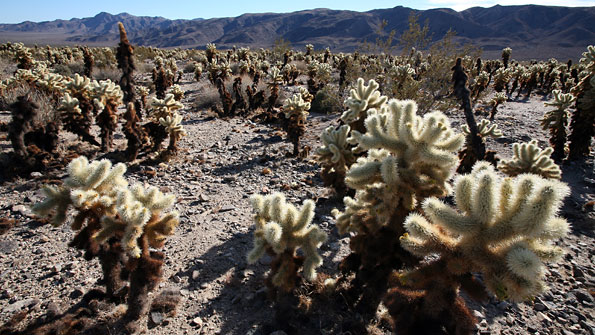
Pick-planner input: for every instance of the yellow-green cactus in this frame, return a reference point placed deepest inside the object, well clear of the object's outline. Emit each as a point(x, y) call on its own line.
point(529, 158)
point(177, 91)
point(361, 98)
point(88, 186)
point(296, 106)
point(485, 129)
point(165, 107)
point(69, 105)
point(335, 151)
point(556, 121)
point(105, 92)
point(140, 211)
point(305, 94)
point(409, 157)
point(282, 228)
point(79, 85)
point(502, 227)
point(173, 125)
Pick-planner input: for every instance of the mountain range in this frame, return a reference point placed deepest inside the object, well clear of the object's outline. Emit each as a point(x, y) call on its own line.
point(532, 31)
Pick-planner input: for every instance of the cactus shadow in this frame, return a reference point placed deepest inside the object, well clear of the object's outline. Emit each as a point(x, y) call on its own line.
point(228, 287)
point(580, 176)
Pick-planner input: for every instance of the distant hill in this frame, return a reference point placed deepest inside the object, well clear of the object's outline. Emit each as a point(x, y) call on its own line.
point(531, 31)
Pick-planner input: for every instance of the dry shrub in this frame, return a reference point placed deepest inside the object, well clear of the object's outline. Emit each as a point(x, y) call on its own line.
point(47, 107)
point(7, 68)
point(110, 73)
point(70, 69)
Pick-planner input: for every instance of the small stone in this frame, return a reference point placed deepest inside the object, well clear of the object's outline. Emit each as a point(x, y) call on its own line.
point(53, 309)
point(176, 279)
point(57, 267)
point(203, 197)
point(478, 315)
point(36, 174)
point(76, 293)
point(197, 322)
point(204, 286)
point(583, 295)
point(227, 208)
point(539, 307)
point(157, 318)
point(22, 209)
point(195, 274)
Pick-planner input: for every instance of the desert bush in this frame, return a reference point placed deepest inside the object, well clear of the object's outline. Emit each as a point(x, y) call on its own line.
point(69, 69)
point(327, 101)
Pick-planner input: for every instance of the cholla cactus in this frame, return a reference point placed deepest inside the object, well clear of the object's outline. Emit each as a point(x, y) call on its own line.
point(484, 129)
point(361, 99)
point(177, 91)
point(309, 49)
point(503, 228)
point(529, 158)
point(211, 52)
point(506, 52)
point(89, 187)
point(409, 158)
point(501, 78)
point(281, 229)
point(305, 94)
point(144, 93)
point(162, 109)
point(173, 126)
point(296, 106)
point(165, 107)
point(481, 83)
point(69, 105)
point(336, 156)
point(106, 97)
point(556, 121)
point(583, 119)
point(118, 219)
point(296, 111)
point(496, 101)
point(139, 211)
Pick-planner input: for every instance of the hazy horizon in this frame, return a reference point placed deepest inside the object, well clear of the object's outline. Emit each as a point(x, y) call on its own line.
point(38, 11)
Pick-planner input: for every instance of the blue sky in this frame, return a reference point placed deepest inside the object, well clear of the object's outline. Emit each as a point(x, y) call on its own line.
point(46, 10)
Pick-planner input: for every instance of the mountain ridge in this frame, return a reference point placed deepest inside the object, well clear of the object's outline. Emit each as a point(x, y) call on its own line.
point(531, 30)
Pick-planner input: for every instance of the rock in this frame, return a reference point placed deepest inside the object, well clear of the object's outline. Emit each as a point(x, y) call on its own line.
point(197, 322)
point(583, 295)
point(227, 208)
point(36, 174)
point(478, 315)
point(22, 209)
point(76, 293)
point(195, 274)
point(176, 279)
point(157, 318)
point(539, 307)
point(53, 309)
point(204, 286)
point(17, 306)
